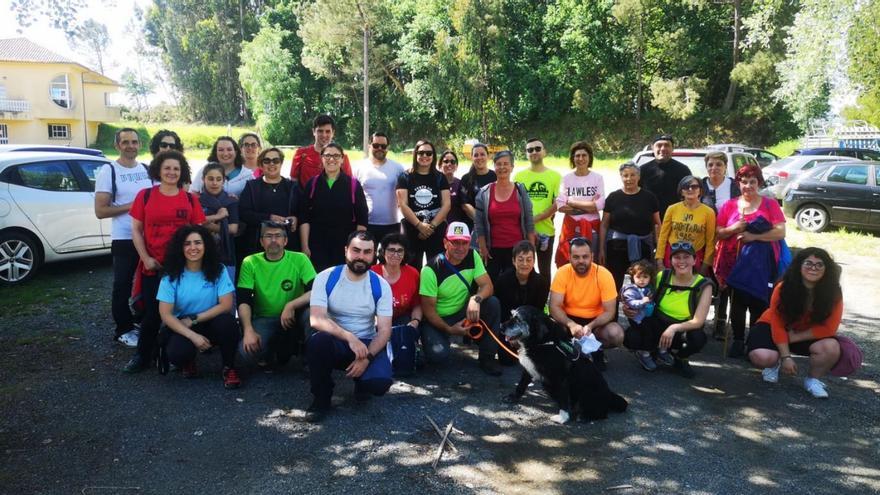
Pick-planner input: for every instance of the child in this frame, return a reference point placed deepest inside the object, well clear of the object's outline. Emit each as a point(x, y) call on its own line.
point(639, 295)
point(221, 213)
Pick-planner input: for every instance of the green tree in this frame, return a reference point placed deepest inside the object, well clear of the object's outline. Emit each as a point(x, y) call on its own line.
point(91, 39)
point(136, 88)
point(864, 64)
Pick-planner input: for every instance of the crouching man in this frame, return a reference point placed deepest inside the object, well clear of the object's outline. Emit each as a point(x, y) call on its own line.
point(351, 308)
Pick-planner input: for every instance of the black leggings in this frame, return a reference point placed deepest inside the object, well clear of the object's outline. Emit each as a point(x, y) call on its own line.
point(220, 330)
point(430, 247)
point(740, 301)
point(501, 260)
point(645, 336)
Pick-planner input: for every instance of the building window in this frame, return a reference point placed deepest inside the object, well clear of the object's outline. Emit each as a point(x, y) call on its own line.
point(4, 134)
point(59, 91)
point(59, 131)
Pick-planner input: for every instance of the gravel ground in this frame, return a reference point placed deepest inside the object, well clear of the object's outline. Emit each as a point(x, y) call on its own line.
point(73, 423)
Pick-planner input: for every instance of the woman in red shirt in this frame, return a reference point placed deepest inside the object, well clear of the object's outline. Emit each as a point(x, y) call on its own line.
point(804, 313)
point(156, 214)
point(503, 217)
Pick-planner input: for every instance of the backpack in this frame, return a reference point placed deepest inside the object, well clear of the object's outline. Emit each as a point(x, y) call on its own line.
point(694, 290)
point(375, 284)
point(150, 190)
point(354, 183)
point(113, 180)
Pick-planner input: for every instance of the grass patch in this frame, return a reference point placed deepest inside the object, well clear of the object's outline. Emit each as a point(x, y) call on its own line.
point(197, 138)
point(785, 148)
point(838, 242)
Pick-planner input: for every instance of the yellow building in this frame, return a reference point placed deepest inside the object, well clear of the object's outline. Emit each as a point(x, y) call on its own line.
point(46, 98)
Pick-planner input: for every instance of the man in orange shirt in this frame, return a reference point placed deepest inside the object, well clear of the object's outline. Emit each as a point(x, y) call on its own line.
point(583, 297)
point(307, 160)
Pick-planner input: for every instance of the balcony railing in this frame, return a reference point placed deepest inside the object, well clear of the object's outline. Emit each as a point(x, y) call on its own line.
point(15, 106)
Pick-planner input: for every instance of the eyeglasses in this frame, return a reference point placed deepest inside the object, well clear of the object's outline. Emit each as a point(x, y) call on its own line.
point(691, 187)
point(534, 149)
point(163, 145)
point(250, 144)
point(450, 161)
point(332, 156)
point(425, 153)
point(379, 146)
point(271, 161)
point(681, 246)
point(817, 266)
point(273, 236)
point(394, 251)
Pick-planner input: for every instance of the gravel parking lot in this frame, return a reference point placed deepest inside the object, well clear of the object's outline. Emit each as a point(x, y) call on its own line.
point(73, 423)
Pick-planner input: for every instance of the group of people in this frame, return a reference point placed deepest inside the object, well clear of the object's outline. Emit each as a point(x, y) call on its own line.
point(376, 269)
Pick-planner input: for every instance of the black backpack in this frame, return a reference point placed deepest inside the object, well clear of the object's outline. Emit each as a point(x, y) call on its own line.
point(695, 290)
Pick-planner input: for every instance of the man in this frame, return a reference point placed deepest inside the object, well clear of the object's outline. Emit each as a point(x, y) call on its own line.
point(378, 176)
point(661, 175)
point(448, 300)
point(307, 160)
point(543, 186)
point(273, 294)
point(351, 309)
point(116, 186)
point(583, 297)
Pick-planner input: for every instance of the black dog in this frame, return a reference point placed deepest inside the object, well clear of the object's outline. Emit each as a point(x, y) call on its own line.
point(546, 353)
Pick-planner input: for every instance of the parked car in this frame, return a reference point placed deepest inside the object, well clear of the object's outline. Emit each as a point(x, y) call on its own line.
point(695, 160)
point(838, 193)
point(860, 153)
point(781, 173)
point(47, 211)
point(763, 156)
point(4, 148)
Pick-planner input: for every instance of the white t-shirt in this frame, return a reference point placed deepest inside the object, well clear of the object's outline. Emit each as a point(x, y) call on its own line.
point(380, 187)
point(351, 304)
point(234, 185)
point(129, 181)
point(722, 193)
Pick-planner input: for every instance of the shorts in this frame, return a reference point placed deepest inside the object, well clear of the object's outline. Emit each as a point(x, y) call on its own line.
point(760, 338)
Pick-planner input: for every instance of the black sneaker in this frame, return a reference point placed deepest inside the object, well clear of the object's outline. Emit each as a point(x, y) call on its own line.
point(490, 367)
point(684, 368)
point(720, 330)
point(599, 360)
point(135, 365)
point(317, 411)
point(737, 349)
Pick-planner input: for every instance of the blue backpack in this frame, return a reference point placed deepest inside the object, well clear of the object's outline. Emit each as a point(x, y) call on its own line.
point(375, 285)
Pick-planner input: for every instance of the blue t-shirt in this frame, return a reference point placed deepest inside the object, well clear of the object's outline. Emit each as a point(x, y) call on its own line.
point(191, 293)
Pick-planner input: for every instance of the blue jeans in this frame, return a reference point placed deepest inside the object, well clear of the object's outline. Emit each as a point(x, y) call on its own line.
point(436, 341)
point(326, 353)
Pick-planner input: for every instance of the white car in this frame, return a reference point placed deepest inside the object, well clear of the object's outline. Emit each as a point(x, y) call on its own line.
point(47, 211)
point(695, 160)
point(778, 175)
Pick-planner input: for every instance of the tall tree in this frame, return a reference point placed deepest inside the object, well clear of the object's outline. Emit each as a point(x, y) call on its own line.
point(91, 39)
point(864, 68)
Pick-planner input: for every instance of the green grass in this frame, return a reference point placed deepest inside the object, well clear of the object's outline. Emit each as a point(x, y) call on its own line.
point(836, 241)
point(785, 148)
point(197, 138)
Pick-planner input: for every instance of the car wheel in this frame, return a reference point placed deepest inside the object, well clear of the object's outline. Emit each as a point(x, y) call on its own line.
point(19, 257)
point(812, 218)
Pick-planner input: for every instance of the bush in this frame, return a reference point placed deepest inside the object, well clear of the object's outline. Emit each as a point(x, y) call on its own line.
point(193, 136)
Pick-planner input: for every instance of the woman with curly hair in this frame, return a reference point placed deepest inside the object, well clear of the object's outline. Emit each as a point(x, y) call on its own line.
point(803, 317)
point(195, 303)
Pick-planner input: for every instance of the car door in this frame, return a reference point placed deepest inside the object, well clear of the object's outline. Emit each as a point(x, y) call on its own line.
point(52, 198)
point(874, 214)
point(847, 193)
point(87, 173)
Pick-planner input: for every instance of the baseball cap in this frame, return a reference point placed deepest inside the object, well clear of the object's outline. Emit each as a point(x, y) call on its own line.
point(682, 247)
point(664, 137)
point(458, 231)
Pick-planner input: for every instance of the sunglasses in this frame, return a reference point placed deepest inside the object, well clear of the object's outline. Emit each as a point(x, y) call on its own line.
point(578, 241)
point(425, 153)
point(379, 146)
point(271, 161)
point(678, 246)
point(164, 145)
point(450, 161)
point(691, 187)
point(534, 149)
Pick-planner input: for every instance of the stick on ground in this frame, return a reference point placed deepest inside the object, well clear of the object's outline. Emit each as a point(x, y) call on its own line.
point(442, 444)
point(440, 433)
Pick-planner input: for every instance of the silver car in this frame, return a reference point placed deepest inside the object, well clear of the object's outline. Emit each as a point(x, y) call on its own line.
point(47, 211)
point(780, 174)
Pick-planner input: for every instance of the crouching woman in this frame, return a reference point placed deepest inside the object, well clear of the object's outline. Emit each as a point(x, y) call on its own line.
point(195, 304)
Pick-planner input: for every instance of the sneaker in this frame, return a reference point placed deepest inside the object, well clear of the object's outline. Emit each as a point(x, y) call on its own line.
point(190, 370)
point(770, 375)
point(720, 330)
point(490, 367)
point(230, 378)
point(646, 360)
point(684, 368)
point(815, 388)
point(737, 349)
point(664, 358)
point(129, 338)
point(317, 411)
point(599, 360)
point(135, 365)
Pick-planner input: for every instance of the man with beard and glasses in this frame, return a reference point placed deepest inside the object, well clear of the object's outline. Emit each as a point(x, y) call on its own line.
point(273, 294)
point(583, 297)
point(378, 176)
point(351, 309)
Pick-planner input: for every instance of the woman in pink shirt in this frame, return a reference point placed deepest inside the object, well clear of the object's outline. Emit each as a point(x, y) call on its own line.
point(581, 197)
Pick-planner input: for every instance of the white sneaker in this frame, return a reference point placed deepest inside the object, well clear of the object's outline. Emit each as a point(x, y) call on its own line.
point(130, 338)
point(815, 387)
point(770, 375)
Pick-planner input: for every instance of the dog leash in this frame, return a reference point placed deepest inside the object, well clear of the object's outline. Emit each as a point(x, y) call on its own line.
point(476, 329)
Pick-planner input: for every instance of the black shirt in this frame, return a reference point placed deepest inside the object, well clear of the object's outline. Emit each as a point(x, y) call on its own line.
point(423, 192)
point(662, 181)
point(631, 213)
point(511, 294)
point(471, 183)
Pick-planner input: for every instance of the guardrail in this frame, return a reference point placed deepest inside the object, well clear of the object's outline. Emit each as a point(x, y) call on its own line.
point(14, 105)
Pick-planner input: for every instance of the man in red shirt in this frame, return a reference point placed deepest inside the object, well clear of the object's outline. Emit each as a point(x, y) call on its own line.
point(307, 160)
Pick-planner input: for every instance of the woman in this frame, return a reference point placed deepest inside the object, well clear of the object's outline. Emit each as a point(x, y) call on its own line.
point(423, 199)
point(749, 229)
point(630, 225)
point(333, 205)
point(227, 153)
point(675, 329)
point(475, 179)
point(803, 317)
point(522, 286)
point(156, 213)
point(165, 140)
point(251, 147)
point(581, 197)
point(448, 165)
point(221, 214)
point(504, 217)
point(407, 315)
point(195, 303)
point(718, 189)
point(688, 221)
point(271, 197)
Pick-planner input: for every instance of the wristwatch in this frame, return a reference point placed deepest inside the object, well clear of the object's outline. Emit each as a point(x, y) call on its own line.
point(478, 299)
point(194, 319)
